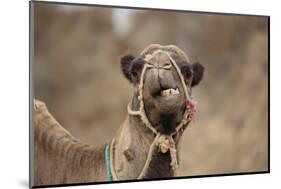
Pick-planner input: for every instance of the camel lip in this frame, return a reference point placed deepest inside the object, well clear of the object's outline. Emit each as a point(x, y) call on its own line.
point(168, 98)
point(168, 104)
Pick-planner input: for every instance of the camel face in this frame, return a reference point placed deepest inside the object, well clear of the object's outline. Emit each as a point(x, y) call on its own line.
point(162, 86)
point(163, 90)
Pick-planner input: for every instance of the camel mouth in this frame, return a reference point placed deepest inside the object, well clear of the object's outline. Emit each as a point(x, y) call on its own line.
point(168, 100)
point(166, 92)
point(169, 92)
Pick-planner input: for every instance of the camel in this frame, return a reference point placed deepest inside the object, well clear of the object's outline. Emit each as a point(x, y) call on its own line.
point(147, 143)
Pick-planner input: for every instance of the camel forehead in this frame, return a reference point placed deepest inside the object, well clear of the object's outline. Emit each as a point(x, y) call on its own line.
point(170, 49)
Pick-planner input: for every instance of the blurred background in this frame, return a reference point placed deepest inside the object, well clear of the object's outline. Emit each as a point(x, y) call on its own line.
point(77, 74)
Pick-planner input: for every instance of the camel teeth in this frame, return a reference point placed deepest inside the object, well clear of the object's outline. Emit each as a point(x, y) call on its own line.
point(176, 91)
point(170, 92)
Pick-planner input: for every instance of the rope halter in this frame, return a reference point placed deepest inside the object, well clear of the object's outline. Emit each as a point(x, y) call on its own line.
point(164, 142)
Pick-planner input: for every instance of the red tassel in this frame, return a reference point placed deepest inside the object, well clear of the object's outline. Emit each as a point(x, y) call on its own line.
point(191, 108)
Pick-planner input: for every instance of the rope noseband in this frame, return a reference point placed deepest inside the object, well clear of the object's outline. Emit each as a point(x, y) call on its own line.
point(164, 142)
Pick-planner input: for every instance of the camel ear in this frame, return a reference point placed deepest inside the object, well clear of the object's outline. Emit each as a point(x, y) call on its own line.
point(126, 65)
point(198, 72)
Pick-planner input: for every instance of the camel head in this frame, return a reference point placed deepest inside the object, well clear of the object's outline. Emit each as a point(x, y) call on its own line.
point(163, 93)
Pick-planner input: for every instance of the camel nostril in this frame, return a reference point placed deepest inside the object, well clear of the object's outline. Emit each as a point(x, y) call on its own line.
point(167, 66)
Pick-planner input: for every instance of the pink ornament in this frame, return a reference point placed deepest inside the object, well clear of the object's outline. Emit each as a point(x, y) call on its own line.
point(191, 105)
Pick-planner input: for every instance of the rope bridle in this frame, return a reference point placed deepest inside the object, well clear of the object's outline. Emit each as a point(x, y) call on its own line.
point(164, 142)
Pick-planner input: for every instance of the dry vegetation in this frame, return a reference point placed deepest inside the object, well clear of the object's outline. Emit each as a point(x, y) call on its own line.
point(77, 74)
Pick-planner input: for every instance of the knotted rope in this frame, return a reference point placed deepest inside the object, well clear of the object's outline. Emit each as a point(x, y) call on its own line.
point(164, 143)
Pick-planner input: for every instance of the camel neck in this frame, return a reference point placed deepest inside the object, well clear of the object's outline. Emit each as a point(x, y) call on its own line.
point(130, 152)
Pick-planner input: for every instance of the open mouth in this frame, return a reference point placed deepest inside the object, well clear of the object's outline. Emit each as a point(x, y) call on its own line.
point(169, 92)
point(168, 100)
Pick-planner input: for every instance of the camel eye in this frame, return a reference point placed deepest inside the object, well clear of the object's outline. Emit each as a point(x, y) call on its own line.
point(136, 68)
point(186, 71)
point(134, 74)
